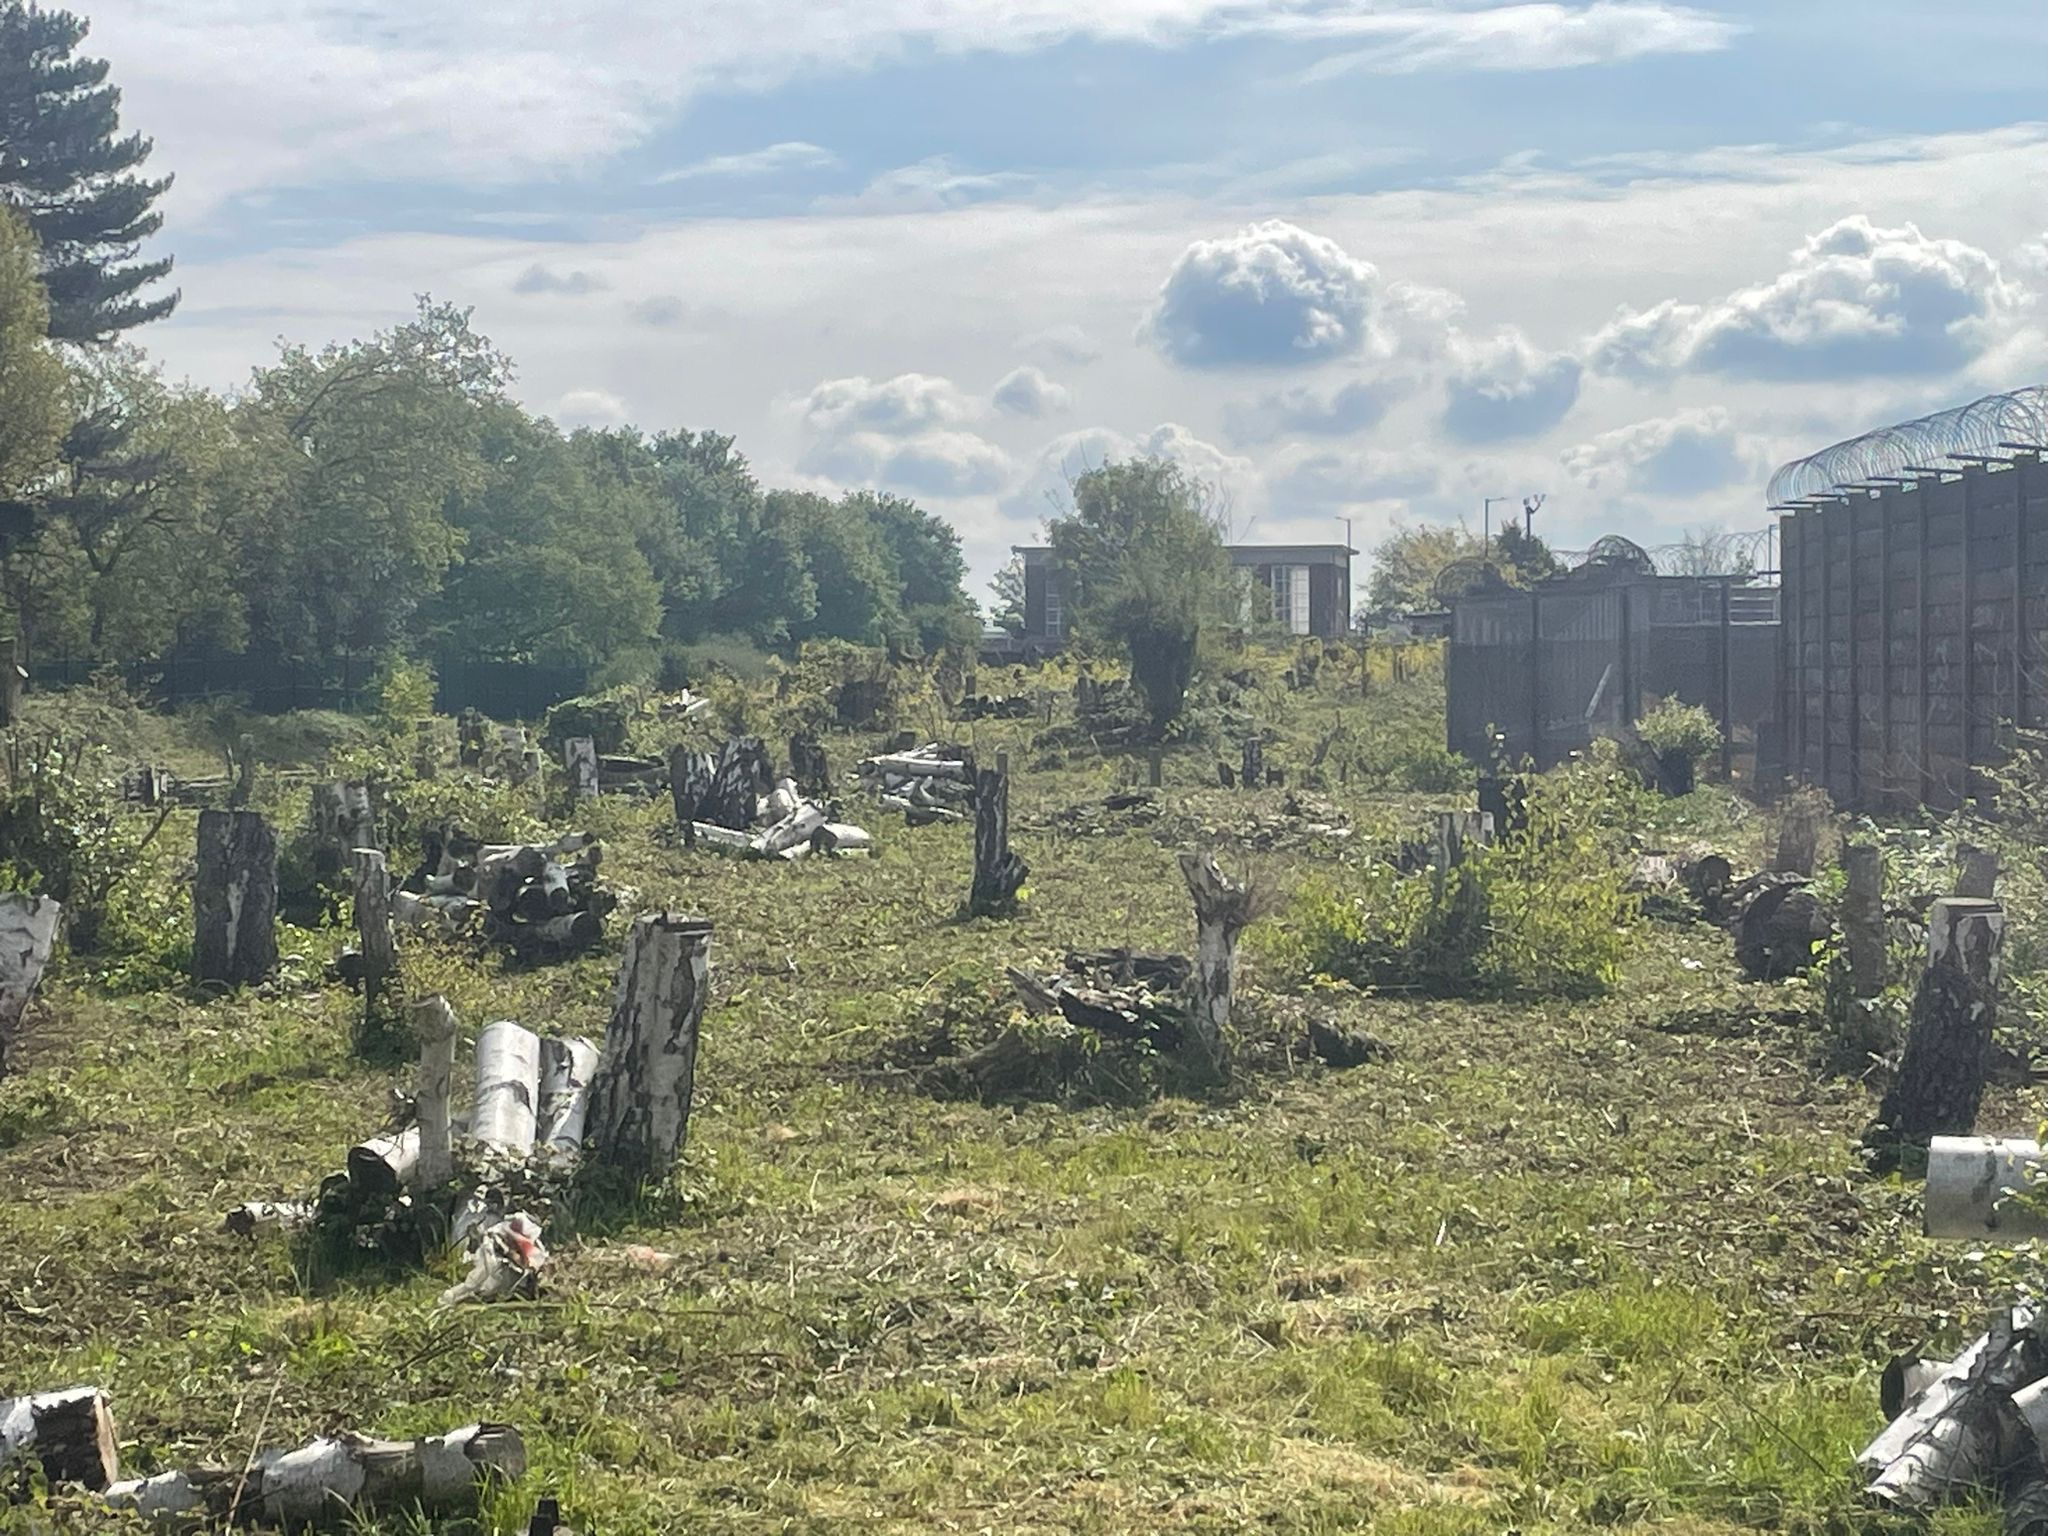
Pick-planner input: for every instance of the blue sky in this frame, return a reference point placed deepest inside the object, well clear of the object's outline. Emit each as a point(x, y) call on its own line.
point(1365, 259)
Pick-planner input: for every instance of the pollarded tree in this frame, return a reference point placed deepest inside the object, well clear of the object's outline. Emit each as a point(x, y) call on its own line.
point(1146, 572)
point(65, 165)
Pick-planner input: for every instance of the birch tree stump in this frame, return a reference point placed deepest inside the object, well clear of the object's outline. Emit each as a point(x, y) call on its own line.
point(1798, 835)
point(998, 872)
point(579, 756)
point(1253, 773)
point(234, 899)
point(69, 1433)
point(1863, 934)
point(373, 933)
point(1940, 1082)
point(566, 1067)
point(640, 1095)
point(689, 781)
point(342, 817)
point(325, 1481)
point(434, 1023)
point(1223, 907)
point(28, 930)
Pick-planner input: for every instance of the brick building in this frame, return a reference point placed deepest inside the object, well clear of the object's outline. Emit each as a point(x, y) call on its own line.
point(1308, 586)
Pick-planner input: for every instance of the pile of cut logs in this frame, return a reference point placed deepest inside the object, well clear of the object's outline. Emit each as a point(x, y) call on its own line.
point(727, 803)
point(70, 1436)
point(539, 898)
point(934, 782)
point(542, 1109)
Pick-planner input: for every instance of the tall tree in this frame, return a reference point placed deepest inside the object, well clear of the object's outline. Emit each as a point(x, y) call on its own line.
point(66, 166)
point(1406, 564)
point(928, 574)
point(1146, 572)
point(32, 405)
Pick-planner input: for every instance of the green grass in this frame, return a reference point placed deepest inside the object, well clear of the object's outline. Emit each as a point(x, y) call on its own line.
point(1550, 1267)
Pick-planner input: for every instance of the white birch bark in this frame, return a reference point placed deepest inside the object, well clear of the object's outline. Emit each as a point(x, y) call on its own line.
point(28, 930)
point(640, 1096)
point(434, 1023)
point(507, 1088)
point(566, 1067)
point(1223, 907)
point(234, 899)
point(579, 756)
point(70, 1433)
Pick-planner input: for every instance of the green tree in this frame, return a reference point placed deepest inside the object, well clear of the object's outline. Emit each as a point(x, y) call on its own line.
point(1146, 572)
point(549, 568)
point(927, 571)
point(367, 445)
point(1406, 564)
point(851, 572)
point(1524, 558)
point(65, 165)
point(1006, 588)
point(32, 392)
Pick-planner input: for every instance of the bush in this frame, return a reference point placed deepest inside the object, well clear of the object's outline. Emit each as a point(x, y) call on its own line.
point(1543, 914)
point(1683, 736)
point(604, 717)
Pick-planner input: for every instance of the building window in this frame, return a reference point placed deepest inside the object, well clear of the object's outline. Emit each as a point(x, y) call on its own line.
point(1055, 611)
point(1290, 598)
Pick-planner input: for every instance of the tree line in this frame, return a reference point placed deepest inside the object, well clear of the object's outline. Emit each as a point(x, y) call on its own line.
point(379, 497)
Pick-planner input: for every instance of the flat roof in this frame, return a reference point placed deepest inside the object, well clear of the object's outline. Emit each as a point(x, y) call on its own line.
point(1267, 550)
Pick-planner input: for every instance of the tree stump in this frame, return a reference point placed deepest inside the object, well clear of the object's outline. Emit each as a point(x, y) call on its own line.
point(373, 932)
point(434, 1023)
point(13, 681)
point(1155, 768)
point(1863, 934)
point(69, 1433)
point(808, 764)
point(1223, 907)
point(1253, 773)
point(998, 872)
point(234, 899)
point(1799, 835)
point(470, 739)
point(640, 1094)
point(244, 789)
point(1458, 833)
point(579, 756)
point(343, 818)
point(28, 930)
point(1940, 1081)
point(1777, 932)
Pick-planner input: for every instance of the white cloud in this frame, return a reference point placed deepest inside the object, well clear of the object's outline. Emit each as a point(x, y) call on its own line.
point(1351, 407)
point(1684, 454)
point(660, 310)
point(939, 463)
point(1271, 294)
point(1026, 391)
point(930, 184)
point(1507, 387)
point(1233, 482)
point(1067, 344)
point(540, 279)
point(769, 160)
point(1352, 477)
point(1858, 300)
point(590, 408)
point(1528, 37)
point(908, 403)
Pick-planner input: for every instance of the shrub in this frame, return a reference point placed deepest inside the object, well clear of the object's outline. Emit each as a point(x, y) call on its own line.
point(1683, 736)
point(1544, 913)
point(604, 717)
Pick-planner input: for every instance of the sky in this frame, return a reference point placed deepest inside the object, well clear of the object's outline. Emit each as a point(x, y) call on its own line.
point(1351, 261)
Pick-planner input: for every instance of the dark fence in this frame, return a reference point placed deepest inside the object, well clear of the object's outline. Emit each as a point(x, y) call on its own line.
point(504, 690)
point(1551, 668)
point(1916, 625)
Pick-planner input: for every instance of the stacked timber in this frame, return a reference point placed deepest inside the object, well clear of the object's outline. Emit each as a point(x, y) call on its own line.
point(934, 782)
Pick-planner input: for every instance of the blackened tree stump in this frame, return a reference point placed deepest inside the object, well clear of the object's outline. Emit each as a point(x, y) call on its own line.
point(234, 899)
point(999, 874)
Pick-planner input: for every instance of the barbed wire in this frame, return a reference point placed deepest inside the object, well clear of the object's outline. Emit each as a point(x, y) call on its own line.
point(1688, 557)
point(1984, 426)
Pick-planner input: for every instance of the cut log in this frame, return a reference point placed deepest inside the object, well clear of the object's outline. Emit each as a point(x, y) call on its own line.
point(1968, 1180)
point(234, 899)
point(999, 873)
point(507, 1088)
point(382, 1166)
point(566, 1067)
point(342, 817)
point(323, 1482)
point(793, 831)
point(579, 756)
point(640, 1095)
point(1776, 936)
point(1863, 935)
point(502, 870)
point(908, 765)
point(257, 1218)
point(843, 837)
point(720, 839)
point(28, 930)
point(1940, 1081)
point(373, 929)
point(1223, 907)
point(69, 1433)
point(434, 1023)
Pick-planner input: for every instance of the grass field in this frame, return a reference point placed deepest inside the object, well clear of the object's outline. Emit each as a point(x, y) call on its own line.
point(1550, 1266)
